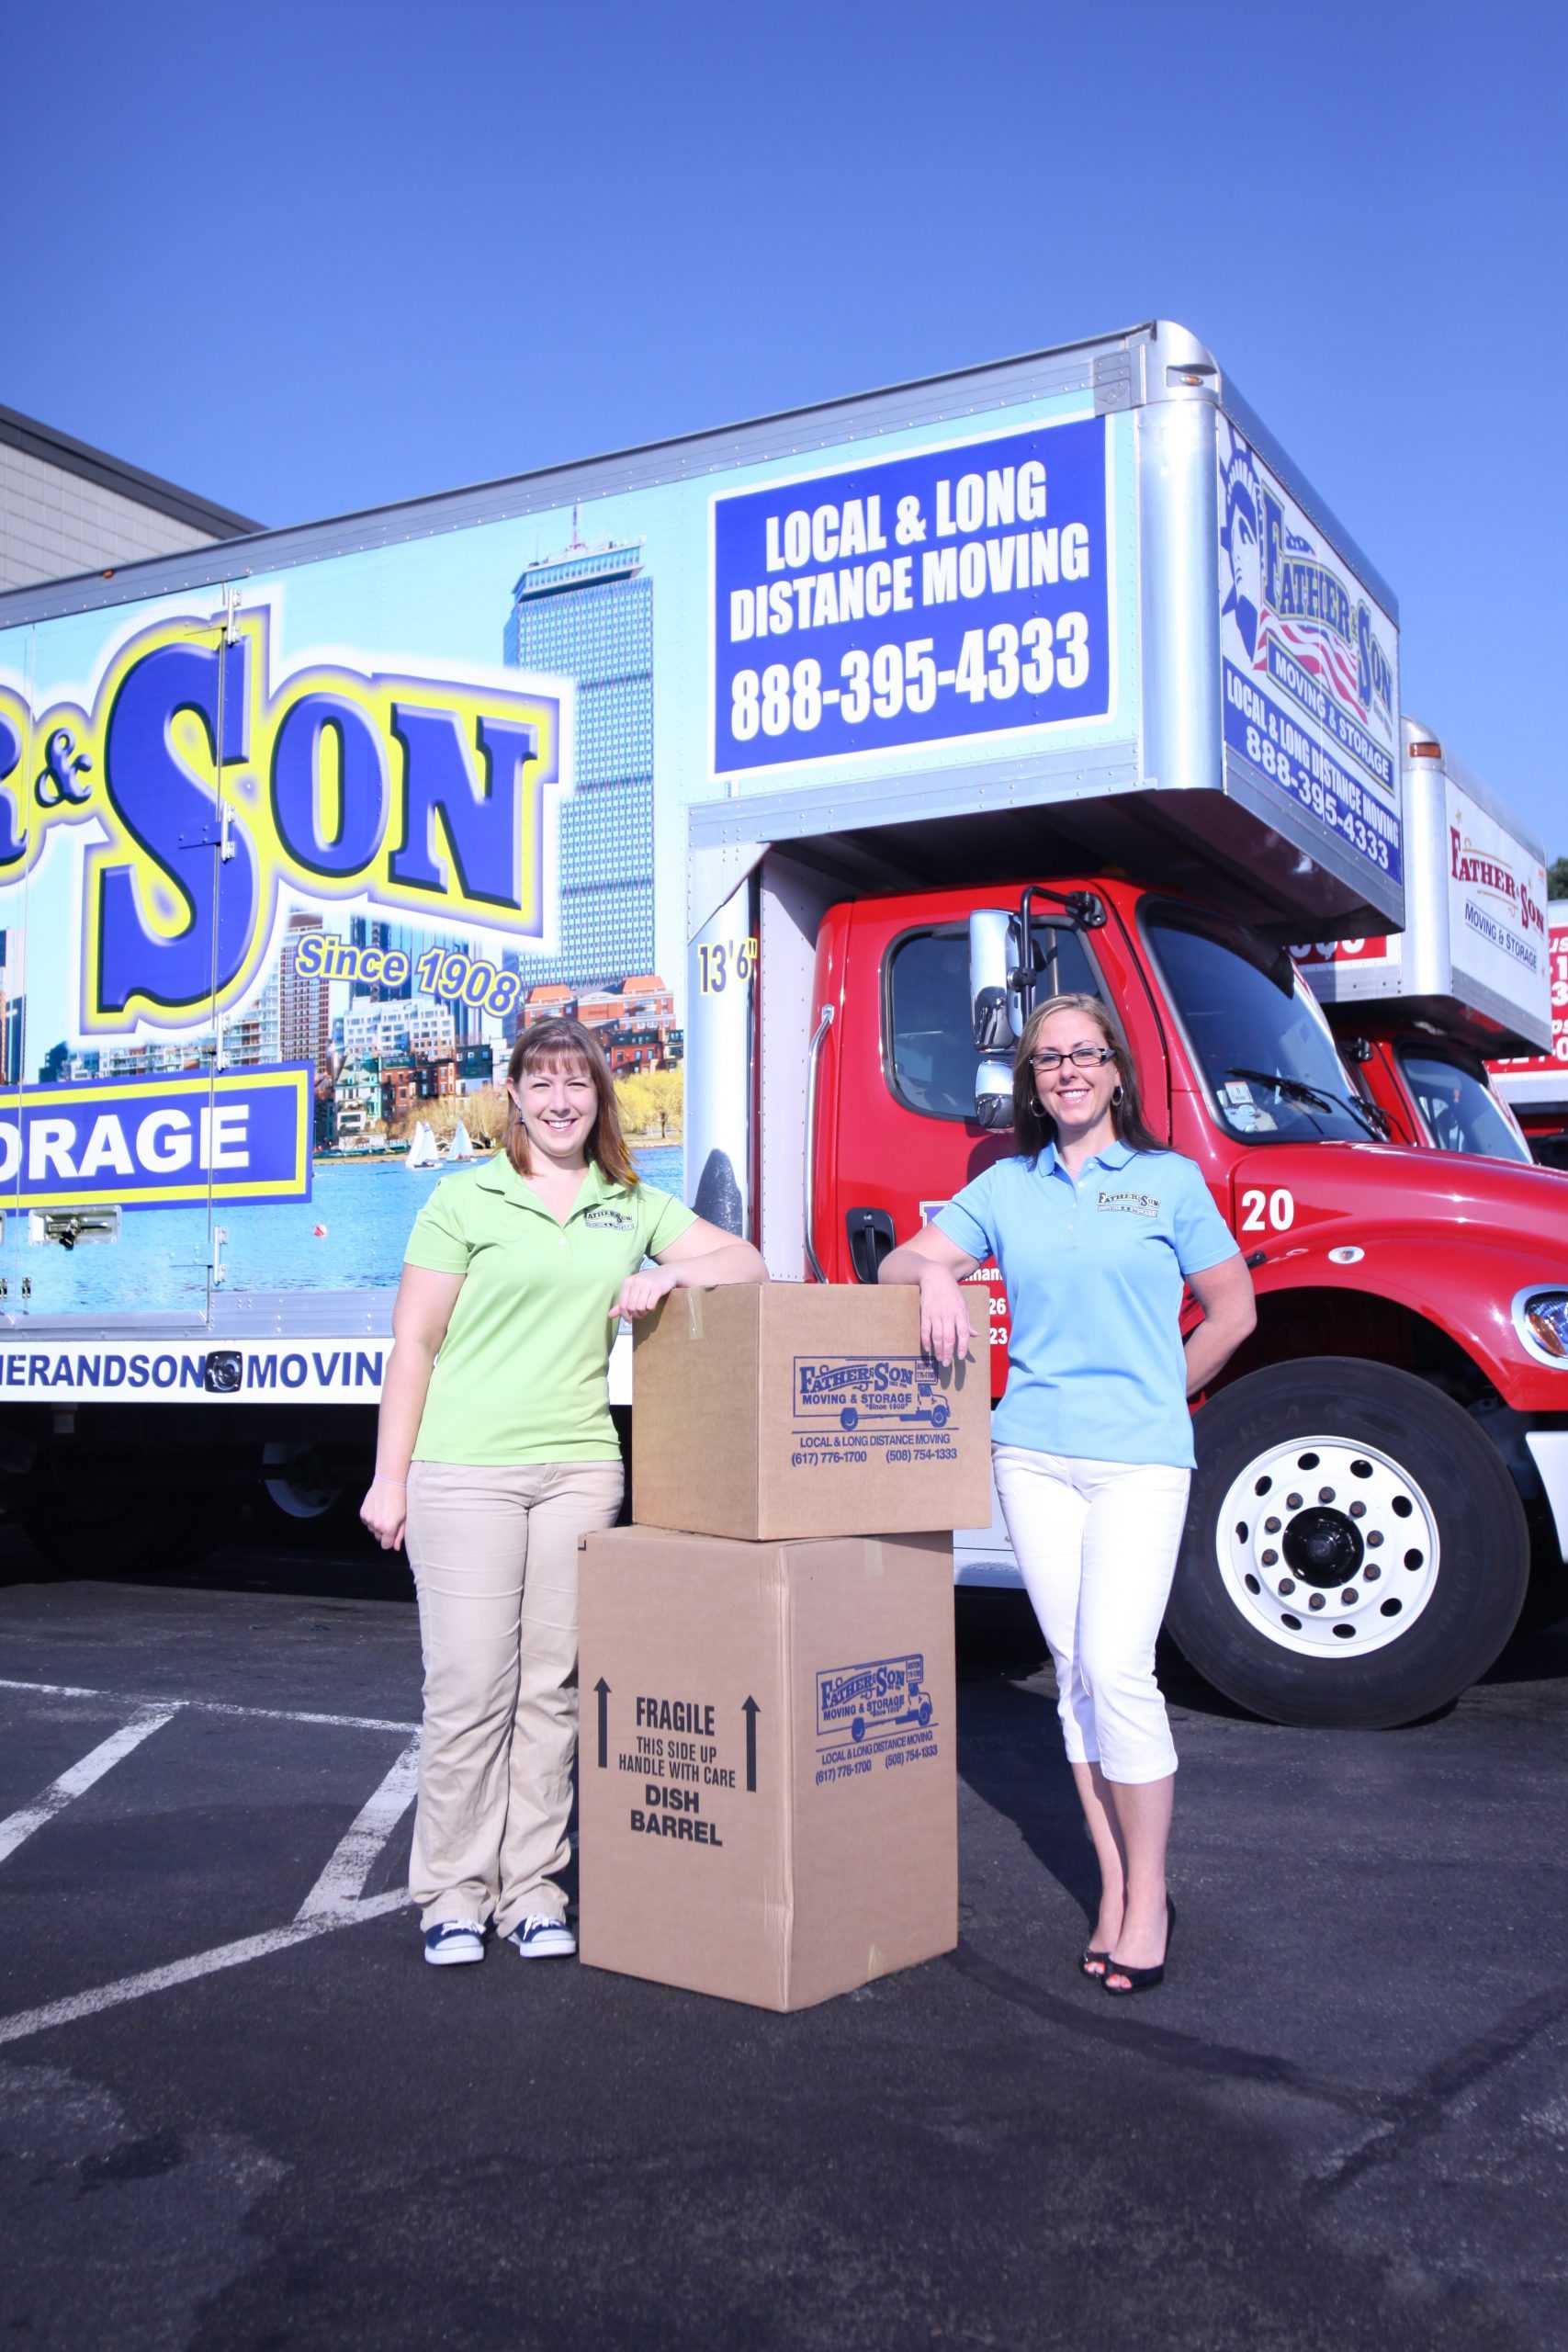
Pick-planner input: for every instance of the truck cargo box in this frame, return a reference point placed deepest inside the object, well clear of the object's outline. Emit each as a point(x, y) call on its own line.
point(1473, 959)
point(1536, 1085)
point(295, 832)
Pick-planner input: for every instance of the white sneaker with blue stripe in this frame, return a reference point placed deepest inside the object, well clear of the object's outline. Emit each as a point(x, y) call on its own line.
point(543, 1938)
point(452, 1942)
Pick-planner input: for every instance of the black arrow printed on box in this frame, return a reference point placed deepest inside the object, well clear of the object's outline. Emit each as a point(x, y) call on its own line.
point(603, 1687)
point(751, 1710)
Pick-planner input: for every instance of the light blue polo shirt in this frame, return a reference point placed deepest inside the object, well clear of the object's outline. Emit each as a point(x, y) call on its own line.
point(1094, 1273)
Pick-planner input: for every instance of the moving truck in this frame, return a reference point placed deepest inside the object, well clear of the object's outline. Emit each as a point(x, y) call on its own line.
point(1415, 1013)
point(1535, 1086)
point(798, 758)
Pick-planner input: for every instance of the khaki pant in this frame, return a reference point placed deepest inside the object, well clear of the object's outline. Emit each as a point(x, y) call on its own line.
point(494, 1556)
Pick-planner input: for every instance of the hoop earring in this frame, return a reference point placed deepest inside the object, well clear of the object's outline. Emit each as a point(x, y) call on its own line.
point(1039, 1110)
point(1117, 1097)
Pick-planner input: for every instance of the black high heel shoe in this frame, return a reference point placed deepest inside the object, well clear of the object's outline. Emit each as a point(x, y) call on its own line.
point(1139, 1980)
point(1088, 1953)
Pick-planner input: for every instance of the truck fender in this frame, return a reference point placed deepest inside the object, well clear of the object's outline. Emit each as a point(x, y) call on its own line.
point(1467, 1295)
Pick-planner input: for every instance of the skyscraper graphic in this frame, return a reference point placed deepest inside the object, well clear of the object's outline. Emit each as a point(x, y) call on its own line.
point(13, 1009)
point(587, 614)
point(293, 1013)
point(367, 932)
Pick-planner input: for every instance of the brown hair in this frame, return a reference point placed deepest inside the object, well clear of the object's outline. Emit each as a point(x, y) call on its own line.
point(1032, 1127)
point(557, 1043)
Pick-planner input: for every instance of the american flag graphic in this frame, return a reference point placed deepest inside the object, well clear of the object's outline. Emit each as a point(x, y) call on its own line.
point(1312, 644)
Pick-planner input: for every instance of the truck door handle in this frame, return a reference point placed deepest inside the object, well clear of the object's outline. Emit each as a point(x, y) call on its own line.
point(871, 1238)
point(813, 1057)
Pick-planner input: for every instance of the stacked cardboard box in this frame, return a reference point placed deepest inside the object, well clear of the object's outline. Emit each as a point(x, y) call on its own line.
point(768, 1792)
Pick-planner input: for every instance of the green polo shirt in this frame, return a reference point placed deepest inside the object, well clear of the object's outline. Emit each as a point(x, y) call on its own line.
point(520, 1375)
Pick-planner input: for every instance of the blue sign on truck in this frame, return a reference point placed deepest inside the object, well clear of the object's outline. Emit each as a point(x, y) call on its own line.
point(960, 591)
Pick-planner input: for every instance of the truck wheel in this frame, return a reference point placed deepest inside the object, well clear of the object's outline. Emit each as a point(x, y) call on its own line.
point(298, 1483)
point(308, 1496)
point(1356, 1551)
point(95, 1518)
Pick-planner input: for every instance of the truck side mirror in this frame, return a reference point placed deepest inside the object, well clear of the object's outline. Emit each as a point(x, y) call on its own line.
point(995, 1011)
point(993, 1094)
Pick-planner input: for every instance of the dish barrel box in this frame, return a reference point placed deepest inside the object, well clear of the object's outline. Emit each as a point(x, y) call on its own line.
point(805, 1408)
point(767, 1790)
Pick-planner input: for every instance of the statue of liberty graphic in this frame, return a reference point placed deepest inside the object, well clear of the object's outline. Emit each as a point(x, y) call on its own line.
point(1241, 537)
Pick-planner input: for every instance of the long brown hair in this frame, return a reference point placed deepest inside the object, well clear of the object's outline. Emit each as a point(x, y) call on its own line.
point(558, 1044)
point(1032, 1127)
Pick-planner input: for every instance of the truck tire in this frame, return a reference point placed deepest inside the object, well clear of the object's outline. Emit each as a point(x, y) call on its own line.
point(93, 1519)
point(1356, 1552)
point(307, 1497)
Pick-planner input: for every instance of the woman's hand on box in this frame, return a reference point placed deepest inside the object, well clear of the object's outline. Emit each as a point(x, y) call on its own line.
point(640, 1293)
point(938, 1265)
point(945, 1329)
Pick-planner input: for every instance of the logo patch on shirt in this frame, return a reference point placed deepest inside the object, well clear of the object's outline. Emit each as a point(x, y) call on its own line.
point(1135, 1203)
point(607, 1220)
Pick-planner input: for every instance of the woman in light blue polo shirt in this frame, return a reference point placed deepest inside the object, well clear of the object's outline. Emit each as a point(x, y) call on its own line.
point(1096, 1229)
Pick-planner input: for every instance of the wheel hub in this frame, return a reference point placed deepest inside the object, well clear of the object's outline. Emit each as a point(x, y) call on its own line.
point(1327, 1547)
point(1322, 1547)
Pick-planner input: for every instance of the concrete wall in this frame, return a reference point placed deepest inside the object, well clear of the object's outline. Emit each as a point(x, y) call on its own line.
point(54, 523)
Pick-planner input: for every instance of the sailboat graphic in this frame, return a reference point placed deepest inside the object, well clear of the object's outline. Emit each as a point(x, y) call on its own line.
point(424, 1152)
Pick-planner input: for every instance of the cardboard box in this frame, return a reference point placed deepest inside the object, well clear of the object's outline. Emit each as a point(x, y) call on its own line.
point(767, 1792)
point(804, 1409)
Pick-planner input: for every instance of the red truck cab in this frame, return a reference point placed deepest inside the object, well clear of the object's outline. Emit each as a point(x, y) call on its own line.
point(875, 901)
point(1435, 1092)
point(1380, 1461)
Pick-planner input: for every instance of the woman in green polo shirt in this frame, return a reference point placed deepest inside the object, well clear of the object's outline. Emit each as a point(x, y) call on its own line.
point(496, 1451)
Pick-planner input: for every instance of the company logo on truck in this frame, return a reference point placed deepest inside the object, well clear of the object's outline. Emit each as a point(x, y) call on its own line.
point(1280, 588)
point(1308, 663)
point(1501, 910)
point(879, 1695)
point(852, 1389)
point(215, 777)
point(1494, 877)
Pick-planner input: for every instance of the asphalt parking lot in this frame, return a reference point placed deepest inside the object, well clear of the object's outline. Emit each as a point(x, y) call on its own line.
point(237, 2111)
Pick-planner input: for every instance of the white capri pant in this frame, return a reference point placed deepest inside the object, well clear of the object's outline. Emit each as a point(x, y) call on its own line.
point(1097, 1544)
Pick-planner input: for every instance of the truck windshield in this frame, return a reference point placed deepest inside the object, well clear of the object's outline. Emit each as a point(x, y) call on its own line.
point(1269, 1063)
point(1460, 1113)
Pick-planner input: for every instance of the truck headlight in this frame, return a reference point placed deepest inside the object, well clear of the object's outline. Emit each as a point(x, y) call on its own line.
point(1540, 1318)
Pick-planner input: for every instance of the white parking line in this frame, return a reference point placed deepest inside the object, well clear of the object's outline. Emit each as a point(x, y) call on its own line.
point(208, 1707)
point(341, 1887)
point(81, 1777)
point(336, 1900)
point(184, 1971)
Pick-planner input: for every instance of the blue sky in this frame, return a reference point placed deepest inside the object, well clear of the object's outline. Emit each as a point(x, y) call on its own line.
point(316, 257)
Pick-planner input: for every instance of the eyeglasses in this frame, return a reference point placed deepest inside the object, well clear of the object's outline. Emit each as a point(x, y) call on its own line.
point(1081, 1057)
